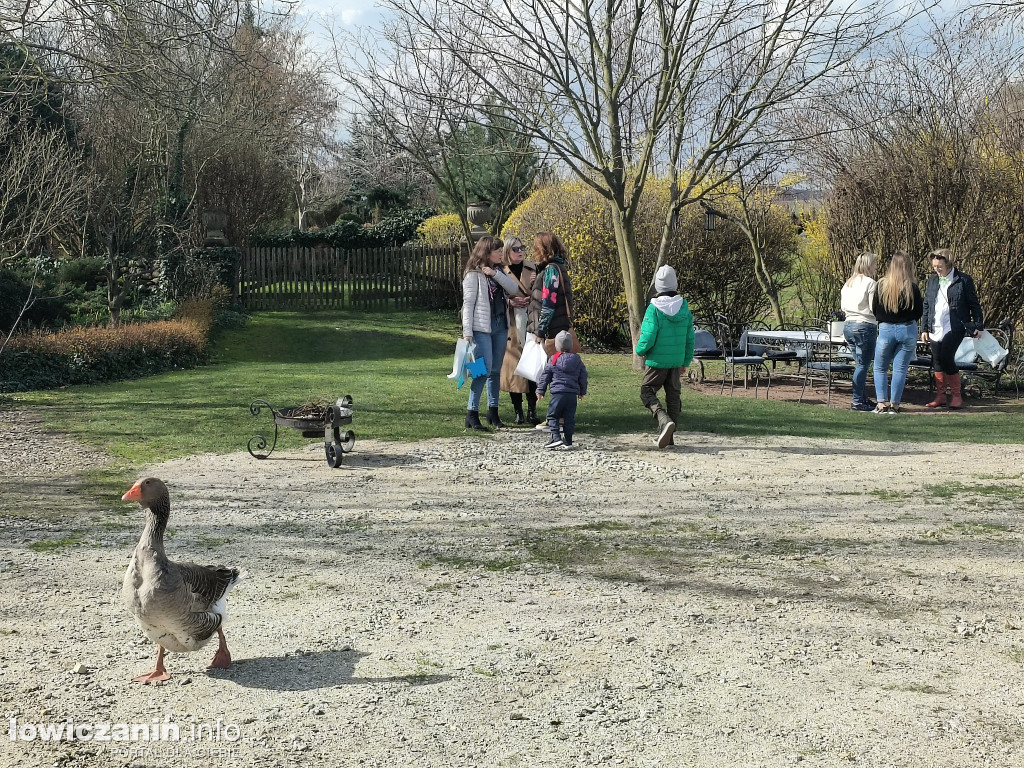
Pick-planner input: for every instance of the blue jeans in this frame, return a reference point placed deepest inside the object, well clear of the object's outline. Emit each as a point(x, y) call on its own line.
point(860, 338)
point(897, 344)
point(563, 406)
point(490, 347)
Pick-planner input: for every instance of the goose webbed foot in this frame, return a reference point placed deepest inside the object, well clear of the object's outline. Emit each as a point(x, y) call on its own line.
point(221, 659)
point(159, 674)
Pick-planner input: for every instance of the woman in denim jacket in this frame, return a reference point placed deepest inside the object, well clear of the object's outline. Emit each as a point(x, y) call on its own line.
point(861, 328)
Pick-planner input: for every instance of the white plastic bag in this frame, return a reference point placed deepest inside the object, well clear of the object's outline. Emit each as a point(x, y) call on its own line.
point(988, 347)
point(461, 350)
point(521, 319)
point(965, 353)
point(531, 364)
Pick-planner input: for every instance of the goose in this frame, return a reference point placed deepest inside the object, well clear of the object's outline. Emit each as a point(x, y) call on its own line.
point(179, 606)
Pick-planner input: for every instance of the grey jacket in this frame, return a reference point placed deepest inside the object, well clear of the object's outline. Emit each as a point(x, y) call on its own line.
point(476, 305)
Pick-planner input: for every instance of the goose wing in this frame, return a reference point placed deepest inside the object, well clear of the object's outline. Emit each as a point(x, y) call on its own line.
point(208, 583)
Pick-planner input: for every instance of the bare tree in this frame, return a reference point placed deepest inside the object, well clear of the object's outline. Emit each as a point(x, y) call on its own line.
point(41, 188)
point(427, 104)
point(931, 155)
point(619, 90)
point(751, 201)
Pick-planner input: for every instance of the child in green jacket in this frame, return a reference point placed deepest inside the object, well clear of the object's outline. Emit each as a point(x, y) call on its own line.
point(666, 339)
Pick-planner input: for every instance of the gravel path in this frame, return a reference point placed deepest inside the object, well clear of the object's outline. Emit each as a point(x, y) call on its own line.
point(734, 602)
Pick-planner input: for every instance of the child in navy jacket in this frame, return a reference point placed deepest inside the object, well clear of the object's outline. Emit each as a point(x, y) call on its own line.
point(566, 376)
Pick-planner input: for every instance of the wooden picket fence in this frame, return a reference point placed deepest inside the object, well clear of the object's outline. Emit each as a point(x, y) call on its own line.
point(407, 277)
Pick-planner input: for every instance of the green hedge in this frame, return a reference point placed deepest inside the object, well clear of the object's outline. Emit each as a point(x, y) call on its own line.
point(394, 230)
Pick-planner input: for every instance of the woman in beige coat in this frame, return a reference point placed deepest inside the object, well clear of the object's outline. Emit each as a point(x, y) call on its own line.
point(523, 271)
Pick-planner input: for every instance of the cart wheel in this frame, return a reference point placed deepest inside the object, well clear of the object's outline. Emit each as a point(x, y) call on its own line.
point(348, 441)
point(345, 401)
point(334, 455)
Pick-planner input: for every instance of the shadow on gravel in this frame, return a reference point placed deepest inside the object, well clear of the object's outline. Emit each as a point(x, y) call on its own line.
point(309, 671)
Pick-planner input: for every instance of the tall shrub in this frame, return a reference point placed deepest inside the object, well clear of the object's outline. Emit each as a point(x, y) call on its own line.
point(715, 269)
point(928, 190)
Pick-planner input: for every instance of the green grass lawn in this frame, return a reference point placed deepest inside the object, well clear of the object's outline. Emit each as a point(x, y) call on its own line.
point(395, 368)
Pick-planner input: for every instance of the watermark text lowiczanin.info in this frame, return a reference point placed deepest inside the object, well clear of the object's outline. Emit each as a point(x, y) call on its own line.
point(216, 734)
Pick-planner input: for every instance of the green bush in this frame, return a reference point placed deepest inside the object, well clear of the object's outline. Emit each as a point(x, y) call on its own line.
point(397, 229)
point(41, 360)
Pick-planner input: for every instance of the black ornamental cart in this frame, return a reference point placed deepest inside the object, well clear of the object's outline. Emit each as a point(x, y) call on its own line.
point(312, 421)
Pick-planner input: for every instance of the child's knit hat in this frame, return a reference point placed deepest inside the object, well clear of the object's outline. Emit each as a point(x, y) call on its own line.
point(665, 280)
point(563, 342)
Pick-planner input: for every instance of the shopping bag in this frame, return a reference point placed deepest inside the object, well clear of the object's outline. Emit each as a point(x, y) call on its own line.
point(988, 347)
point(461, 351)
point(531, 364)
point(965, 353)
point(521, 318)
point(475, 368)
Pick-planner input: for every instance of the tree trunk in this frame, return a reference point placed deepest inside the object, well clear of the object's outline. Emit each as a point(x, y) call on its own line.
point(765, 280)
point(633, 284)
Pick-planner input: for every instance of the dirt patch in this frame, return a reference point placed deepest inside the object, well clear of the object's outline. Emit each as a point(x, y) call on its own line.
point(481, 602)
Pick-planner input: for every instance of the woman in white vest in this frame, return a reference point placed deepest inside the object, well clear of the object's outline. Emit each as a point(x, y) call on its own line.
point(485, 291)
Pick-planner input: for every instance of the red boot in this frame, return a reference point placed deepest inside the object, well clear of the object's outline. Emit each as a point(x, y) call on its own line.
point(954, 389)
point(940, 391)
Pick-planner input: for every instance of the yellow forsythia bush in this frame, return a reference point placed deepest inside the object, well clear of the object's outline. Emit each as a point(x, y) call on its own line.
point(715, 269)
point(443, 229)
point(580, 217)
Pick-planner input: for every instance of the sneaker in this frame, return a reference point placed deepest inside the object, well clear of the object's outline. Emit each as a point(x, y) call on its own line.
point(542, 425)
point(863, 407)
point(567, 447)
point(881, 408)
point(870, 403)
point(893, 409)
point(554, 442)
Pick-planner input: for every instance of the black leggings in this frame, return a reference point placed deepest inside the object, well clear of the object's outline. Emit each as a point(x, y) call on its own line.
point(531, 396)
point(944, 350)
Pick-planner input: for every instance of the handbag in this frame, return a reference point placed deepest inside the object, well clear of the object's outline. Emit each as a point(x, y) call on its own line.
point(532, 362)
point(990, 350)
point(966, 353)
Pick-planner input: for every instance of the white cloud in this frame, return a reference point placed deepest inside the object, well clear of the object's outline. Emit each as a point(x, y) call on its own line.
point(347, 13)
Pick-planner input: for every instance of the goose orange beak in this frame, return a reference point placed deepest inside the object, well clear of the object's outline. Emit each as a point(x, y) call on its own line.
point(134, 493)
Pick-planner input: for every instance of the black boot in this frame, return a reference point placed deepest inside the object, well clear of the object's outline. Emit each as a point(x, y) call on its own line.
point(531, 408)
point(517, 406)
point(473, 421)
point(493, 419)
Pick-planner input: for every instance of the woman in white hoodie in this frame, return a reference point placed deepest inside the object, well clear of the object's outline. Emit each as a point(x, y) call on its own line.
point(485, 291)
point(861, 328)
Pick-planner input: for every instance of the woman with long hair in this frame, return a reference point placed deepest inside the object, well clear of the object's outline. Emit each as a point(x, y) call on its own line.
point(861, 328)
point(897, 306)
point(550, 309)
point(523, 271)
point(951, 311)
point(485, 291)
